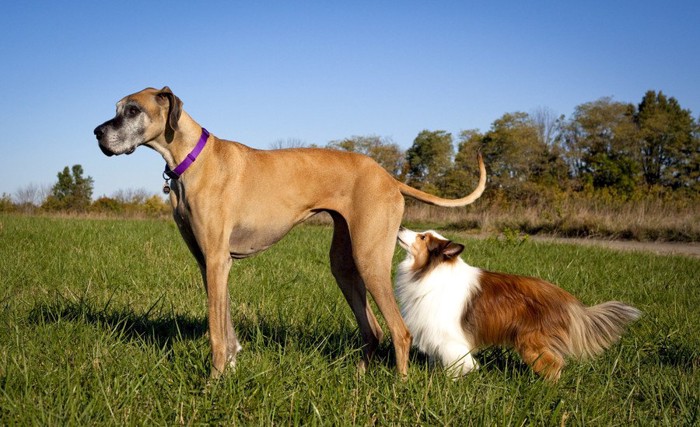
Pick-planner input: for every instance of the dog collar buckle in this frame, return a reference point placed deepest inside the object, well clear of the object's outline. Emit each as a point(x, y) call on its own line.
point(169, 174)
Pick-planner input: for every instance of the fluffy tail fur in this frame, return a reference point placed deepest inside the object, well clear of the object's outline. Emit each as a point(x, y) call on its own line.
point(594, 329)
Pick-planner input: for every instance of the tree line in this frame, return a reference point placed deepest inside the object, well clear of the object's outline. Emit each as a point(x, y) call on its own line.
point(72, 193)
point(623, 149)
point(608, 145)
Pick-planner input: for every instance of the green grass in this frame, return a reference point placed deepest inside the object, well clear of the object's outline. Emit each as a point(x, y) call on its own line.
point(104, 322)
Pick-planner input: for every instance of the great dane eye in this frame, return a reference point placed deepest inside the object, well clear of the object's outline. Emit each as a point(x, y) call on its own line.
point(132, 111)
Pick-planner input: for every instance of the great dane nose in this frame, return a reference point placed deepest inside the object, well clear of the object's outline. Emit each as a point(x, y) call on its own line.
point(98, 132)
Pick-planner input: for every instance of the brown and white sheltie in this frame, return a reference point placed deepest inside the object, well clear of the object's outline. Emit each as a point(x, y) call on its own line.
point(452, 309)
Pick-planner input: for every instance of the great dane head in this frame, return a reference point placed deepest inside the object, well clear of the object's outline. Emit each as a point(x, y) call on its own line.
point(141, 118)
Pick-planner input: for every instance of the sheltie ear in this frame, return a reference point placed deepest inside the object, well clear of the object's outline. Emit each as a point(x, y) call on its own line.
point(452, 250)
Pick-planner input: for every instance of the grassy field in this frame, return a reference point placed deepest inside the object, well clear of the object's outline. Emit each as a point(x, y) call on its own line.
point(103, 322)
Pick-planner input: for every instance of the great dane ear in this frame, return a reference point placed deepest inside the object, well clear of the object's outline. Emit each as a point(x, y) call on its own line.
point(175, 106)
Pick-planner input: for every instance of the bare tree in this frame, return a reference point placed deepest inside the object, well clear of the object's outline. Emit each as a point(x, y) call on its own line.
point(548, 124)
point(32, 194)
point(136, 196)
point(288, 143)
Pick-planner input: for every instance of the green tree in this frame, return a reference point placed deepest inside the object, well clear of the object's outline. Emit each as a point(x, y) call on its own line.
point(669, 150)
point(694, 160)
point(429, 159)
point(73, 191)
point(600, 144)
point(382, 150)
point(513, 151)
point(469, 144)
point(552, 169)
point(464, 175)
point(6, 204)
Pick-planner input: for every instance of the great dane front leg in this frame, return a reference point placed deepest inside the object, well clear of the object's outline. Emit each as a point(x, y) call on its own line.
point(221, 336)
point(232, 344)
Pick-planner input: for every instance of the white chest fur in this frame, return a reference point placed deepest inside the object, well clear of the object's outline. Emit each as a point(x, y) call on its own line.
point(433, 305)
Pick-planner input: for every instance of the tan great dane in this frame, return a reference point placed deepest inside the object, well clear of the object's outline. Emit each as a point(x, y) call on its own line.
point(235, 201)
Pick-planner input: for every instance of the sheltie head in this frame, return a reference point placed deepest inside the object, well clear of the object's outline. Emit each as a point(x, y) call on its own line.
point(427, 250)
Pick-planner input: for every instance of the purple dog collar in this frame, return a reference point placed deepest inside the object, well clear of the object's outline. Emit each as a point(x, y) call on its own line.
point(191, 157)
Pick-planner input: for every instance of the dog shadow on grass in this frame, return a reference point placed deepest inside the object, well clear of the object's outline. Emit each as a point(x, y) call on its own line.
point(160, 327)
point(495, 359)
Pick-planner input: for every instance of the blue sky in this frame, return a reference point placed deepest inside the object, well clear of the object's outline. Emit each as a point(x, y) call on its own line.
point(260, 72)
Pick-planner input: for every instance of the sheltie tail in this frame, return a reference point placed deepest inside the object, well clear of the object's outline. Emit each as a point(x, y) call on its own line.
point(594, 329)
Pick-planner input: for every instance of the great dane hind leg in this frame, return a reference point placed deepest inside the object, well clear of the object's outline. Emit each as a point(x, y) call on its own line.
point(348, 278)
point(379, 286)
point(224, 344)
point(373, 253)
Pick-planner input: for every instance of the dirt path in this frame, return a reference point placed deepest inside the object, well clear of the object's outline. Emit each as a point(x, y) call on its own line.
point(659, 248)
point(689, 249)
